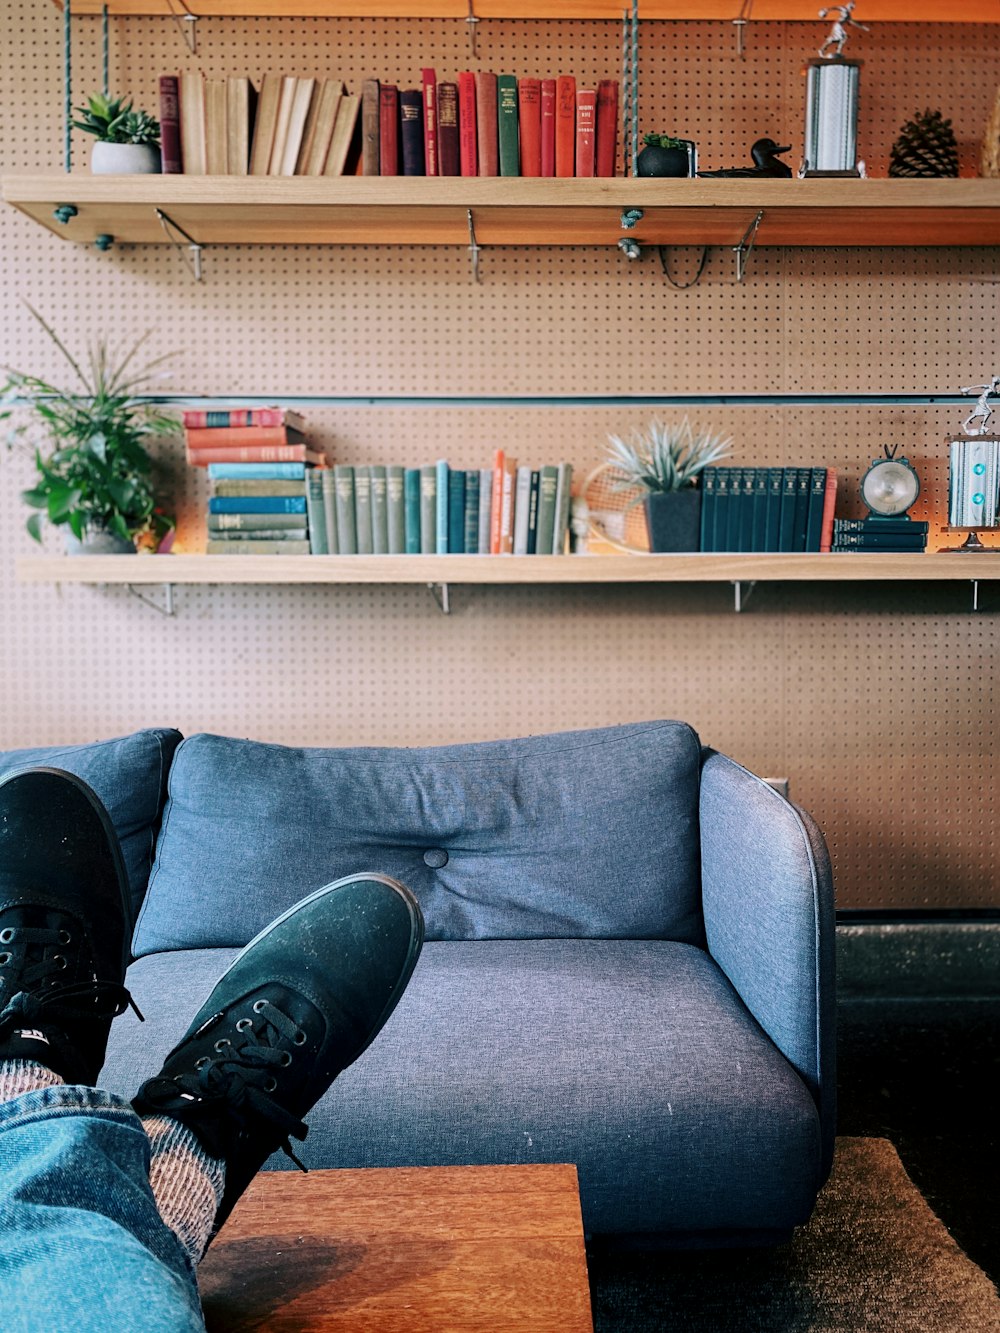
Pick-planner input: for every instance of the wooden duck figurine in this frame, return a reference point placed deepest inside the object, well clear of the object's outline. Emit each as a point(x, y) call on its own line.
point(766, 162)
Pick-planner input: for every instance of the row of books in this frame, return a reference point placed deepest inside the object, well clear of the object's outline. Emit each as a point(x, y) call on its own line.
point(487, 124)
point(974, 482)
point(768, 508)
point(377, 509)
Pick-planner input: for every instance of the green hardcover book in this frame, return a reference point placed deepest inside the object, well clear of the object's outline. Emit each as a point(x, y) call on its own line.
point(485, 509)
point(347, 528)
point(395, 508)
point(411, 509)
point(759, 524)
point(561, 529)
point(744, 510)
point(772, 520)
point(507, 125)
point(262, 535)
point(428, 509)
point(814, 514)
point(802, 484)
point(720, 521)
point(215, 546)
point(243, 487)
point(363, 510)
point(330, 509)
point(316, 514)
point(548, 481)
point(786, 521)
point(707, 535)
point(380, 510)
point(471, 518)
point(252, 522)
point(456, 510)
point(533, 512)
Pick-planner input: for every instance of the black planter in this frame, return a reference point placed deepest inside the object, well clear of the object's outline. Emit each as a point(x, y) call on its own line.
point(656, 161)
point(673, 520)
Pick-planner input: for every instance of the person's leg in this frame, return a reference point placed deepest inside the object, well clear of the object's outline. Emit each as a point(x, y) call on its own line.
point(82, 1243)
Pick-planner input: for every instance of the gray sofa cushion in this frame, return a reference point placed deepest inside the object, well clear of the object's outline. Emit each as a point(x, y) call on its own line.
point(576, 834)
point(635, 1060)
point(129, 776)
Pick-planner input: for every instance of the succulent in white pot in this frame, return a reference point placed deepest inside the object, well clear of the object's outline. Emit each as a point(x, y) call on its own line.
point(128, 142)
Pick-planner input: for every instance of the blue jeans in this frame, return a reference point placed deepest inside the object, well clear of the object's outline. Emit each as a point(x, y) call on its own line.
point(83, 1248)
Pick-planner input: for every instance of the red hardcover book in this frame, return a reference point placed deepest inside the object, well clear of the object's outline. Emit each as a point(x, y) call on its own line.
point(448, 153)
point(428, 83)
point(529, 119)
point(388, 130)
point(259, 453)
point(486, 124)
point(829, 505)
point(221, 437)
point(195, 418)
point(468, 155)
point(566, 125)
point(548, 127)
point(607, 127)
point(170, 124)
point(586, 131)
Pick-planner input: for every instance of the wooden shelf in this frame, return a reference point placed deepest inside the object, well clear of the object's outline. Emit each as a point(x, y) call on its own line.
point(359, 210)
point(470, 569)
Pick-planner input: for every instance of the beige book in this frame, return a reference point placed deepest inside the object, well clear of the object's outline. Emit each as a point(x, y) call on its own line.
point(305, 91)
point(265, 124)
point(319, 128)
point(289, 87)
point(241, 97)
point(191, 87)
point(343, 134)
point(216, 132)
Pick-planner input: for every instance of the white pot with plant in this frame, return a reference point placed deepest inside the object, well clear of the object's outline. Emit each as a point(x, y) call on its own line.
point(128, 142)
point(94, 473)
point(664, 465)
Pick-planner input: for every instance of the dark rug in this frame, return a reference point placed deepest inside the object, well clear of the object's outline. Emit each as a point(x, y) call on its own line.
point(873, 1258)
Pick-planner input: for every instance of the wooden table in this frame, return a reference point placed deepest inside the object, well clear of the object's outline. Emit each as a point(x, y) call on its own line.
point(428, 1249)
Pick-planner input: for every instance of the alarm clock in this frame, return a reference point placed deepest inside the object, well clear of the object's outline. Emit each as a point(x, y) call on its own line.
point(890, 486)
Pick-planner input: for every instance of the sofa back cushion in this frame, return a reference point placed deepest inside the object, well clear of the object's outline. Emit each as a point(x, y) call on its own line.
point(128, 774)
point(578, 834)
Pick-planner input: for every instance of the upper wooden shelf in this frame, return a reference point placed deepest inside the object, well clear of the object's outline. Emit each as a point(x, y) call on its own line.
point(851, 567)
point(393, 210)
point(875, 11)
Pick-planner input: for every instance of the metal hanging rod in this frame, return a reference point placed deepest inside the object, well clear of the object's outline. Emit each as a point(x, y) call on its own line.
point(560, 400)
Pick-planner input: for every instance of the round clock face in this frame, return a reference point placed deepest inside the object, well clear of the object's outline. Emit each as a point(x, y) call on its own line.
point(890, 487)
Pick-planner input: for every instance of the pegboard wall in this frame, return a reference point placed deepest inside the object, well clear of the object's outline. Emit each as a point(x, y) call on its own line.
point(878, 702)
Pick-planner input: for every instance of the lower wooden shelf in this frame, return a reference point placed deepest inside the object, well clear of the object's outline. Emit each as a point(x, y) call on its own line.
point(850, 567)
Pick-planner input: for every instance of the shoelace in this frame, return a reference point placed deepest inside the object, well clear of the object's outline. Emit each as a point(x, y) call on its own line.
point(237, 1080)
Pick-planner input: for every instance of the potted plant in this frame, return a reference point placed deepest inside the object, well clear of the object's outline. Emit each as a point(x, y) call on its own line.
point(128, 142)
point(95, 474)
point(663, 155)
point(665, 463)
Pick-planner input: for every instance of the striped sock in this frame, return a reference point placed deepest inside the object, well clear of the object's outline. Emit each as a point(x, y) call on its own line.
point(187, 1184)
point(20, 1076)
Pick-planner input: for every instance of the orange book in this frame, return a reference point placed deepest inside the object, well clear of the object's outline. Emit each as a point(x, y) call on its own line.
point(529, 119)
point(467, 146)
point(428, 84)
point(548, 127)
point(496, 495)
point(487, 131)
point(219, 437)
point(508, 483)
point(607, 127)
point(566, 125)
point(255, 453)
point(829, 505)
point(586, 131)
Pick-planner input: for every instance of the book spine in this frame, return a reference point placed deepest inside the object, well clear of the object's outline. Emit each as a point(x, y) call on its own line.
point(441, 486)
point(744, 538)
point(199, 437)
point(171, 160)
point(566, 125)
point(814, 514)
point(508, 484)
point(533, 513)
point(370, 96)
point(256, 471)
point(563, 494)
point(529, 117)
point(258, 453)
point(297, 534)
point(411, 510)
point(215, 546)
point(448, 149)
point(486, 124)
point(330, 509)
point(411, 131)
point(259, 486)
point(316, 514)
point(548, 127)
point(845, 525)
point(772, 524)
point(789, 484)
point(470, 524)
point(347, 528)
point(428, 84)
point(586, 131)
point(456, 511)
point(507, 128)
point(380, 509)
point(198, 418)
point(289, 84)
point(363, 510)
point(802, 487)
point(606, 153)
point(242, 522)
point(496, 501)
point(758, 524)
point(263, 131)
point(522, 502)
point(388, 130)
point(192, 117)
point(256, 504)
point(860, 541)
point(706, 534)
point(428, 509)
point(829, 510)
point(468, 155)
point(395, 508)
point(485, 509)
point(548, 482)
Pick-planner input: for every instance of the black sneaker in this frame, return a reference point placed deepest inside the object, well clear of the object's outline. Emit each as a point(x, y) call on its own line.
point(296, 1006)
point(64, 924)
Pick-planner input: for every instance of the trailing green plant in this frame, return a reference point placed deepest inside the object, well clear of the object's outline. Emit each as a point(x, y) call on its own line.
point(94, 472)
point(664, 458)
point(662, 141)
point(112, 120)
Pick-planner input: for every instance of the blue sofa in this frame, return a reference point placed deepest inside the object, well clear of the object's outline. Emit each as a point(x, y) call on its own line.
point(629, 957)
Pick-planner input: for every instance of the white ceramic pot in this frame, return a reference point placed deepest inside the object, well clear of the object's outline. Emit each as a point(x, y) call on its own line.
point(98, 542)
point(124, 159)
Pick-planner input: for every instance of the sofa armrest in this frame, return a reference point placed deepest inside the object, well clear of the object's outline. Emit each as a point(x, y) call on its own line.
point(767, 896)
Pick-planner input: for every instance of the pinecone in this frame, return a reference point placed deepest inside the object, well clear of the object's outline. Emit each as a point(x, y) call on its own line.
point(926, 147)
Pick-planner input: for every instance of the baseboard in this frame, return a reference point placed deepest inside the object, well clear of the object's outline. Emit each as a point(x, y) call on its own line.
point(930, 956)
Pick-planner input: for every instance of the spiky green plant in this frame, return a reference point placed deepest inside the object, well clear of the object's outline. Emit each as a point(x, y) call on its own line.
point(112, 120)
point(663, 457)
point(94, 473)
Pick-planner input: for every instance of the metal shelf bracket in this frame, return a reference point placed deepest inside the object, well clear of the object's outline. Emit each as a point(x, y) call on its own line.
point(739, 598)
point(474, 246)
point(167, 222)
point(167, 609)
point(745, 246)
point(439, 591)
point(472, 19)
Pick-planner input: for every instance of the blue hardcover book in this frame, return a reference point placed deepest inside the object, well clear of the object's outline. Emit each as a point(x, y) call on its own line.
point(456, 511)
point(814, 513)
point(257, 471)
point(441, 508)
point(411, 510)
point(257, 504)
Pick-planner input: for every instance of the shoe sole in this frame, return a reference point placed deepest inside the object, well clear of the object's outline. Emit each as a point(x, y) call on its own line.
point(413, 953)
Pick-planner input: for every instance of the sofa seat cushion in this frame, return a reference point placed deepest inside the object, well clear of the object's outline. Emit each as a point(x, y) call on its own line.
point(129, 776)
point(635, 1060)
point(575, 834)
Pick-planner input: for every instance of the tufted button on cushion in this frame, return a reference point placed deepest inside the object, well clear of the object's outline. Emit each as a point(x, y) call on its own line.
point(436, 857)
